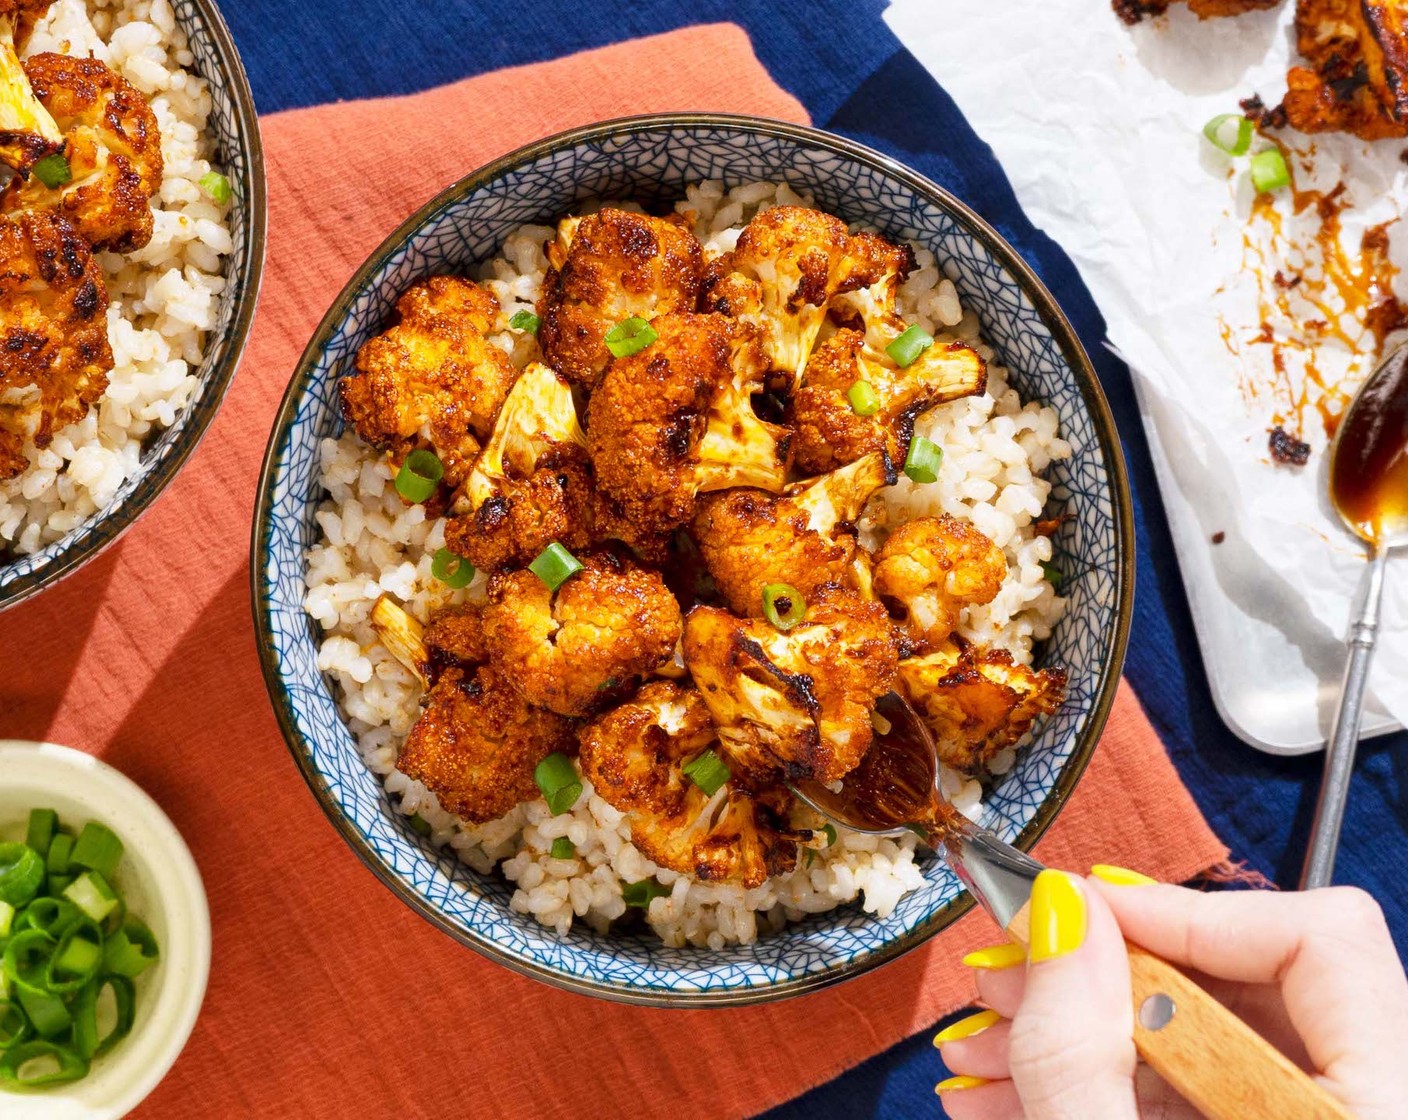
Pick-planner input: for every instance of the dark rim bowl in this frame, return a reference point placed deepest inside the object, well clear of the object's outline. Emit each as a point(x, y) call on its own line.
point(1111, 639)
point(236, 126)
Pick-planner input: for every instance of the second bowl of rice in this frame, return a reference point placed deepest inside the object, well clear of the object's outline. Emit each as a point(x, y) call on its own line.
point(1032, 462)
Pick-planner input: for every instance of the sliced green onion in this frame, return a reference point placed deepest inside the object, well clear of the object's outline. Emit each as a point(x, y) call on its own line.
point(783, 605)
point(125, 1001)
point(98, 849)
point(85, 1021)
point(562, 848)
point(419, 825)
point(7, 919)
point(865, 401)
point(216, 186)
point(555, 566)
point(74, 962)
point(1053, 574)
point(419, 475)
point(923, 461)
point(640, 894)
point(53, 170)
point(58, 859)
point(709, 772)
point(46, 1013)
point(630, 337)
point(1269, 171)
point(1230, 133)
point(830, 830)
point(130, 951)
point(21, 873)
point(14, 1025)
point(557, 779)
point(54, 916)
point(908, 346)
point(43, 823)
point(524, 321)
point(26, 955)
point(451, 569)
point(59, 883)
point(16, 1064)
point(91, 894)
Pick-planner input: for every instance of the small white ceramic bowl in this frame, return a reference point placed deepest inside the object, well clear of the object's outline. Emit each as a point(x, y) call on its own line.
point(159, 881)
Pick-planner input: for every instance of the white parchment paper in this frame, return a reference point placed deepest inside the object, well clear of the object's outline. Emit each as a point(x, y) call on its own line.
point(1098, 127)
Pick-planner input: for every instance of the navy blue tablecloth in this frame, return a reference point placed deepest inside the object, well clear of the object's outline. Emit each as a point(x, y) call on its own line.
point(840, 60)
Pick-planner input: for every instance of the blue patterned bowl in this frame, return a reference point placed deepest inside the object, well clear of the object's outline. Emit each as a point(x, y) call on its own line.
point(235, 126)
point(652, 159)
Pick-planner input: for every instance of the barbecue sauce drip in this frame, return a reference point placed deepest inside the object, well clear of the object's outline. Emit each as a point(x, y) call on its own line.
point(1369, 472)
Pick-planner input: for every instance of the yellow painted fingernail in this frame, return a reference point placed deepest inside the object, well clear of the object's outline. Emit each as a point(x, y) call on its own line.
point(996, 956)
point(967, 1027)
point(1120, 876)
point(1057, 916)
point(950, 1084)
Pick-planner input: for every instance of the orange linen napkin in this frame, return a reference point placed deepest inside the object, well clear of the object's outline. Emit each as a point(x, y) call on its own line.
point(328, 997)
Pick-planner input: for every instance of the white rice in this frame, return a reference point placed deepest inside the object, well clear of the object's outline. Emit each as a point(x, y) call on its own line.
point(164, 297)
point(995, 448)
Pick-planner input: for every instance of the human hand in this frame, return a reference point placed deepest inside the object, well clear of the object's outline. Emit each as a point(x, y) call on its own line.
point(1315, 973)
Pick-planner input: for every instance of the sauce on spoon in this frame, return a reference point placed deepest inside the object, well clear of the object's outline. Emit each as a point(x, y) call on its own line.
point(1369, 467)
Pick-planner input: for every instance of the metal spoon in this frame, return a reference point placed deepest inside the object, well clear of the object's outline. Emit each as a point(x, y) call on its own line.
point(1369, 490)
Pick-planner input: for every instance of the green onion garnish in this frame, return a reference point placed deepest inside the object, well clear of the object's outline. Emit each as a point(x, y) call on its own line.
point(909, 346)
point(557, 779)
point(7, 919)
point(923, 461)
point(1269, 171)
point(865, 401)
point(53, 170)
point(21, 874)
point(630, 337)
point(640, 894)
point(783, 605)
point(1053, 574)
point(419, 475)
point(555, 566)
point(216, 186)
point(54, 916)
point(43, 823)
point(451, 569)
point(1230, 133)
point(13, 1024)
point(37, 1063)
point(562, 848)
point(91, 894)
point(47, 1014)
point(57, 862)
point(524, 321)
point(419, 825)
point(97, 849)
point(130, 951)
point(709, 772)
point(74, 962)
point(830, 830)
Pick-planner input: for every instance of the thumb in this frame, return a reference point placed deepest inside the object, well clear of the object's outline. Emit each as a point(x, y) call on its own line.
point(1071, 1046)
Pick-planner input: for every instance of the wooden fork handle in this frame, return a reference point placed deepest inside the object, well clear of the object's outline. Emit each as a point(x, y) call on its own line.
point(1220, 1065)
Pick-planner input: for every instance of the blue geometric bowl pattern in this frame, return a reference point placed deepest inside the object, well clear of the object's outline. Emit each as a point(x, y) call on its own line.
point(651, 160)
point(234, 128)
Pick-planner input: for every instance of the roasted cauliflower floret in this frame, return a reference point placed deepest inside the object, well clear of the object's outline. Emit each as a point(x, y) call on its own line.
point(568, 650)
point(113, 147)
point(634, 755)
point(787, 265)
point(676, 419)
point(530, 485)
point(798, 701)
point(28, 132)
point(54, 352)
point(930, 568)
point(976, 702)
point(478, 741)
point(609, 267)
point(803, 538)
point(432, 381)
point(1357, 77)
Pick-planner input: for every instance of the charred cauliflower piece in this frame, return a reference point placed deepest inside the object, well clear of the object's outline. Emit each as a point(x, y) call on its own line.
point(787, 265)
point(569, 650)
point(477, 743)
point(633, 756)
point(28, 132)
point(676, 419)
point(803, 538)
point(609, 267)
point(976, 702)
point(54, 352)
point(431, 381)
point(931, 568)
point(530, 485)
point(113, 146)
point(1357, 78)
point(798, 701)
